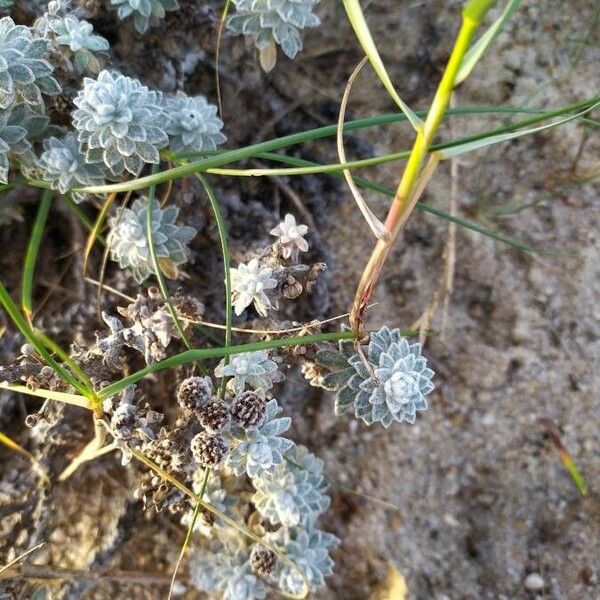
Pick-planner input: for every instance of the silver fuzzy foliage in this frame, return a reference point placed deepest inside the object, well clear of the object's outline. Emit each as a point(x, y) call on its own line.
point(294, 493)
point(193, 123)
point(128, 239)
point(309, 551)
point(64, 166)
point(278, 21)
point(141, 11)
point(290, 238)
point(16, 125)
point(253, 369)
point(260, 449)
point(120, 122)
point(77, 38)
point(391, 388)
point(249, 285)
point(24, 71)
point(225, 569)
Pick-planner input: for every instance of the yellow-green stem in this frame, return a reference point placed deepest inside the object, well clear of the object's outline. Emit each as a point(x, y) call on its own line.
point(403, 199)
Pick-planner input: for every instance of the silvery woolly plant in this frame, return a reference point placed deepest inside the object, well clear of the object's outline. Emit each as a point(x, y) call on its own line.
point(17, 124)
point(388, 383)
point(76, 39)
point(25, 74)
point(64, 166)
point(272, 22)
point(142, 11)
point(254, 369)
point(128, 241)
point(120, 123)
point(193, 123)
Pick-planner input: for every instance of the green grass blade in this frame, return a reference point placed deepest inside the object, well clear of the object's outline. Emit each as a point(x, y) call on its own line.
point(231, 156)
point(156, 265)
point(23, 326)
point(457, 148)
point(422, 206)
point(361, 29)
point(205, 353)
point(33, 248)
point(477, 50)
point(80, 214)
point(226, 269)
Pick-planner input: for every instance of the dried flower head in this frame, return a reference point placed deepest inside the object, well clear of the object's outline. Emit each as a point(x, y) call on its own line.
point(248, 409)
point(214, 416)
point(194, 392)
point(193, 123)
point(262, 560)
point(120, 122)
point(249, 284)
point(290, 238)
point(209, 450)
point(128, 240)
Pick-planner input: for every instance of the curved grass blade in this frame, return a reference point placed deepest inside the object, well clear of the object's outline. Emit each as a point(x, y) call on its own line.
point(361, 29)
point(23, 326)
point(33, 248)
point(438, 212)
point(377, 227)
point(458, 149)
point(231, 156)
point(95, 231)
point(476, 51)
point(226, 270)
point(204, 353)
point(157, 268)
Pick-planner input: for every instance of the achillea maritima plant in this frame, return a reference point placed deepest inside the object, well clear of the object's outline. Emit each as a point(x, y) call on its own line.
point(120, 122)
point(128, 240)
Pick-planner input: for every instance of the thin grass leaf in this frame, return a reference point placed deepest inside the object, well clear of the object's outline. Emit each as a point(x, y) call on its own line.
point(33, 248)
point(458, 149)
point(157, 268)
point(214, 203)
point(231, 156)
point(361, 29)
point(477, 50)
point(438, 212)
point(63, 397)
point(75, 368)
point(23, 326)
point(95, 231)
point(377, 227)
point(188, 535)
point(204, 353)
point(218, 55)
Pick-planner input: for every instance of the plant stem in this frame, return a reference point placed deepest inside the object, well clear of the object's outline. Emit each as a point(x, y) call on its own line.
point(403, 199)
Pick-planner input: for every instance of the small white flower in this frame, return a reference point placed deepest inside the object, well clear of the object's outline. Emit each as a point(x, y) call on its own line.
point(249, 283)
point(290, 237)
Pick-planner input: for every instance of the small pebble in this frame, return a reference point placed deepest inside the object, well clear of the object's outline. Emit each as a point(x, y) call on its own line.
point(534, 582)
